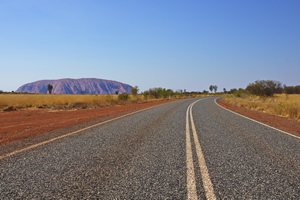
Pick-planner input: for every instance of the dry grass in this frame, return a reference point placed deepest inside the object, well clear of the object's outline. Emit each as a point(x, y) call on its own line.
point(9, 102)
point(280, 105)
point(20, 101)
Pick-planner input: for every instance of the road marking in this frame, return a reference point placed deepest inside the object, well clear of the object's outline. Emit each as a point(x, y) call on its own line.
point(191, 182)
point(72, 133)
point(257, 121)
point(207, 184)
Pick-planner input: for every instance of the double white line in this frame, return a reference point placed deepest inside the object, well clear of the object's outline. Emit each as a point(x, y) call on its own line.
point(191, 181)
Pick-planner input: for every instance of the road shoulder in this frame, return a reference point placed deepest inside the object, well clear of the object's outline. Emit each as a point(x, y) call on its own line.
point(286, 124)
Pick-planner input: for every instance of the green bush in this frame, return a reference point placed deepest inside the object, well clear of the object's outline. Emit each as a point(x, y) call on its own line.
point(241, 93)
point(265, 88)
point(292, 89)
point(146, 94)
point(134, 90)
point(123, 96)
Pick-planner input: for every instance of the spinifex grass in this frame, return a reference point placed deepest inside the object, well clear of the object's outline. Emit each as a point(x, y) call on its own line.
point(56, 101)
point(281, 104)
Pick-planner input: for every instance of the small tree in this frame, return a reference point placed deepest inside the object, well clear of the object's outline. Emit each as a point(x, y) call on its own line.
point(292, 89)
point(211, 88)
point(117, 92)
point(215, 88)
point(146, 94)
point(50, 87)
point(225, 91)
point(265, 88)
point(134, 90)
point(233, 90)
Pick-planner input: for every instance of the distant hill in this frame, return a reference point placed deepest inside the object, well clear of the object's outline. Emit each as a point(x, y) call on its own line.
point(76, 86)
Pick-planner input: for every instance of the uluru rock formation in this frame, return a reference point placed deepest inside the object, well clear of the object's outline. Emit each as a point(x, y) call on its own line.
point(76, 86)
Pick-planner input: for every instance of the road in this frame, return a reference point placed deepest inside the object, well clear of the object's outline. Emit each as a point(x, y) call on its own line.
point(189, 149)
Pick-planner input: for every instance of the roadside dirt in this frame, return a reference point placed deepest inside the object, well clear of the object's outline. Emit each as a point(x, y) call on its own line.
point(22, 124)
point(283, 123)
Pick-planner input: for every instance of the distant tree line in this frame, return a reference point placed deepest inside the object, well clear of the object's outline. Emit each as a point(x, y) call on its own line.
point(292, 89)
point(12, 92)
point(265, 88)
point(159, 92)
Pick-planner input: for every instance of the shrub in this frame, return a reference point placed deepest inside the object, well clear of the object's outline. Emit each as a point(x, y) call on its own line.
point(241, 93)
point(265, 88)
point(10, 108)
point(292, 89)
point(161, 93)
point(146, 94)
point(123, 96)
point(134, 90)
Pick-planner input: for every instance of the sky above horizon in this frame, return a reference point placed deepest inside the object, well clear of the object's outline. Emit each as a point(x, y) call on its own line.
point(151, 43)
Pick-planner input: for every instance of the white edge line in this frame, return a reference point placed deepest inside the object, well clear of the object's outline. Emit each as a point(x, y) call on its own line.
point(257, 121)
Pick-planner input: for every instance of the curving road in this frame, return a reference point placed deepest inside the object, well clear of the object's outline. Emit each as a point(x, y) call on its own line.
point(189, 149)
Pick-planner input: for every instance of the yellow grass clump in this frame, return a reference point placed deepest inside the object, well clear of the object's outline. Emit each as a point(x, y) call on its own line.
point(285, 105)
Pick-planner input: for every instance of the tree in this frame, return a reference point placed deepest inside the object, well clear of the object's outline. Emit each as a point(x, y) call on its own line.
point(292, 89)
point(215, 88)
point(231, 91)
point(160, 93)
point(134, 90)
point(205, 92)
point(50, 87)
point(117, 92)
point(264, 87)
point(211, 88)
point(146, 94)
point(297, 89)
point(225, 91)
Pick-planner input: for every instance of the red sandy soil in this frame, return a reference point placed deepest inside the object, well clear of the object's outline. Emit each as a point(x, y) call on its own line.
point(18, 125)
point(282, 123)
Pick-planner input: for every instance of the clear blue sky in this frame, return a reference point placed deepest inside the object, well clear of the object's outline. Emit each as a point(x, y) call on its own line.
point(151, 43)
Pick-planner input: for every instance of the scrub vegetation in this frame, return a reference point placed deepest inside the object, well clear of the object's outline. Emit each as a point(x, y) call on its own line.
point(286, 105)
point(268, 96)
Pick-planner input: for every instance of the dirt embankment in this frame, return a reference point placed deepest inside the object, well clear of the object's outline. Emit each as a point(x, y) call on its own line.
point(283, 123)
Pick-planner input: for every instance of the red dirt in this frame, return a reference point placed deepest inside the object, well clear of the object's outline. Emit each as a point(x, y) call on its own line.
point(283, 123)
point(18, 125)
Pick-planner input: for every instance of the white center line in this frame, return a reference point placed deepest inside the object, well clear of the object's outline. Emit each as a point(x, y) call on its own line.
point(207, 184)
point(191, 182)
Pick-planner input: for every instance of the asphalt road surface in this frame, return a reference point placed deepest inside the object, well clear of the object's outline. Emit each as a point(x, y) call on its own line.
point(189, 149)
